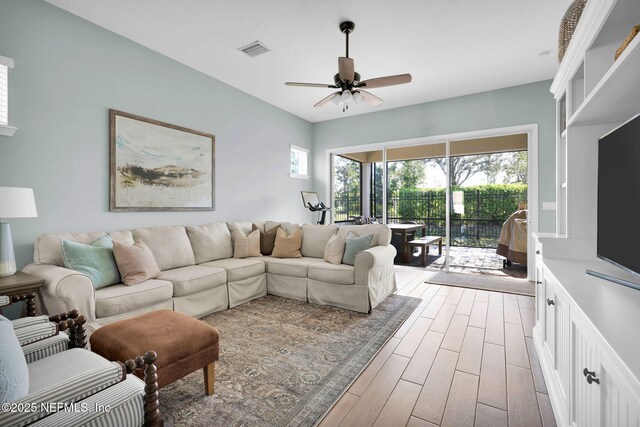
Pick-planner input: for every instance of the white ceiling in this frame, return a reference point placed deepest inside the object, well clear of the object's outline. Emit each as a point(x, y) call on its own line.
point(451, 47)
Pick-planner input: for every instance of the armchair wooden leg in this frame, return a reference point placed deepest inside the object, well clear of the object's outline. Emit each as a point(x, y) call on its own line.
point(152, 416)
point(209, 378)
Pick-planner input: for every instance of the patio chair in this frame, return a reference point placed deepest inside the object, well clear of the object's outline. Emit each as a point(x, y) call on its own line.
point(65, 384)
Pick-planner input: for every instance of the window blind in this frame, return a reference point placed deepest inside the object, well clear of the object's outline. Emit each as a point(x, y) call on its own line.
point(5, 64)
point(4, 96)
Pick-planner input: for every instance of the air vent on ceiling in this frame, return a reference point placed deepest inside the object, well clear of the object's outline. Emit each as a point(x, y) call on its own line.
point(254, 49)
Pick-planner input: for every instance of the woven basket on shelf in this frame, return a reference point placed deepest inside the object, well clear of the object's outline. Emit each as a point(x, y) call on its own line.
point(568, 26)
point(628, 40)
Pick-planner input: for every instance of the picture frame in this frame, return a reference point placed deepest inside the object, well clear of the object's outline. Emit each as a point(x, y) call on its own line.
point(157, 166)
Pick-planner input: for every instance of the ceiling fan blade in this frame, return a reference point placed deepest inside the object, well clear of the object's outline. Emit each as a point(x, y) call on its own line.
point(370, 98)
point(346, 69)
point(324, 85)
point(327, 99)
point(386, 81)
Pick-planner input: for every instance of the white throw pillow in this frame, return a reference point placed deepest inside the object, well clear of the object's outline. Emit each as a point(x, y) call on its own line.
point(334, 251)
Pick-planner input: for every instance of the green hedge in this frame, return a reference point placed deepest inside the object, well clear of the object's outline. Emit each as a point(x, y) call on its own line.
point(489, 202)
point(495, 202)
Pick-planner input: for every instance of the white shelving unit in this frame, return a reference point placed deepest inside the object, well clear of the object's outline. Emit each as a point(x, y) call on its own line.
point(585, 322)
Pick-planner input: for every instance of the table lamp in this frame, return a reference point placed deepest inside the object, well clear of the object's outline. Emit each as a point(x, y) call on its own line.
point(14, 203)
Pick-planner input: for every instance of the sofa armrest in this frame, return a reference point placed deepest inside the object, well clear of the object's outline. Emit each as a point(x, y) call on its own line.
point(374, 263)
point(64, 290)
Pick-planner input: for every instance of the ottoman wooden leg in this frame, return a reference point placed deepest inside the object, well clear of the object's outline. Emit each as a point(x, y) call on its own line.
point(209, 377)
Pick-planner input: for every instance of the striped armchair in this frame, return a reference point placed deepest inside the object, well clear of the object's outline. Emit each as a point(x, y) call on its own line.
point(71, 386)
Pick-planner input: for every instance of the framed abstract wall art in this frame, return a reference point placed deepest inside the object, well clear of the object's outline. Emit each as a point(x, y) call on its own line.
point(156, 166)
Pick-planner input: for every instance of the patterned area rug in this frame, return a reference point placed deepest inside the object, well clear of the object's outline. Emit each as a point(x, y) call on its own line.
point(282, 362)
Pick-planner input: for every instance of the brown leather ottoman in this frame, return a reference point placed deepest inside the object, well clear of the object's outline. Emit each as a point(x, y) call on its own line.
point(183, 344)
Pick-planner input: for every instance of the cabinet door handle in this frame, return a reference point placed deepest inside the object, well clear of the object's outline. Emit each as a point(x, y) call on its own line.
point(587, 372)
point(539, 282)
point(537, 252)
point(592, 379)
point(550, 302)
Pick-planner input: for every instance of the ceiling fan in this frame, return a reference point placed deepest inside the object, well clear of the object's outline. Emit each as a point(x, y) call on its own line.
point(351, 88)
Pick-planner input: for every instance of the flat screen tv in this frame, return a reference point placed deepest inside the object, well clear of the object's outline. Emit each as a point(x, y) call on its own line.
point(619, 196)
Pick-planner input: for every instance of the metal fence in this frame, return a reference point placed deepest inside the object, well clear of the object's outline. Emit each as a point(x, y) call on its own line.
point(346, 207)
point(484, 213)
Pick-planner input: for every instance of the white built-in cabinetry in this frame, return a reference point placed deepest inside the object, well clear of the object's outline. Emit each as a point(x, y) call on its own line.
point(587, 331)
point(587, 340)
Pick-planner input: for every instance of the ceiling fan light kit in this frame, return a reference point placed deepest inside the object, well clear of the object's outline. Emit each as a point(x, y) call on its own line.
point(349, 82)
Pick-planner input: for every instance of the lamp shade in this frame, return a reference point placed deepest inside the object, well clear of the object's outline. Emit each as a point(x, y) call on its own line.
point(17, 202)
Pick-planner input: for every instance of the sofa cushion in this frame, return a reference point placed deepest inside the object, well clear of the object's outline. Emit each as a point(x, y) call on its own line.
point(194, 278)
point(381, 232)
point(289, 227)
point(293, 267)
point(120, 299)
point(135, 262)
point(47, 248)
point(14, 375)
point(210, 242)
point(95, 261)
point(331, 273)
point(170, 246)
point(238, 269)
point(242, 226)
point(315, 239)
point(287, 246)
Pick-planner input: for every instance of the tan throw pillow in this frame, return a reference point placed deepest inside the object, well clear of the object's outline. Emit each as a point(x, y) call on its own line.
point(334, 251)
point(135, 262)
point(287, 246)
point(246, 245)
point(267, 239)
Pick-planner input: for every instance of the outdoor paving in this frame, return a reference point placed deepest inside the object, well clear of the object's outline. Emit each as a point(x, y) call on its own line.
point(472, 260)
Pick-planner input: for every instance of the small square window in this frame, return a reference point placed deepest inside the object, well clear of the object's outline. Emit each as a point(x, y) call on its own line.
point(5, 64)
point(299, 162)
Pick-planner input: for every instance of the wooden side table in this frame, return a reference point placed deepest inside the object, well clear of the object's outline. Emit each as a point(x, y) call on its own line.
point(21, 287)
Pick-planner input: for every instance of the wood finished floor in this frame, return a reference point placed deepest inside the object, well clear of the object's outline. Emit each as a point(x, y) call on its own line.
point(465, 357)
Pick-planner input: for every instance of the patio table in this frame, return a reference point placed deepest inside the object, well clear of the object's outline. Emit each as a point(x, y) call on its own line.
point(402, 231)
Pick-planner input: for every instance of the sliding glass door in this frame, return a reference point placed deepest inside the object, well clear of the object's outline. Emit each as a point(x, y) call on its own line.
point(455, 192)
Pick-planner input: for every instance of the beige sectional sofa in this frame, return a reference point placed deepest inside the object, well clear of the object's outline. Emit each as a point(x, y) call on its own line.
point(200, 276)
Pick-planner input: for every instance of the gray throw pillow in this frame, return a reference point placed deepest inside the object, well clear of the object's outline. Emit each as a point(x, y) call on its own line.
point(14, 374)
point(355, 244)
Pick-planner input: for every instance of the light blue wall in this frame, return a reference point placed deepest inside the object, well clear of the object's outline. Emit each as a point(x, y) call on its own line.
point(519, 105)
point(69, 72)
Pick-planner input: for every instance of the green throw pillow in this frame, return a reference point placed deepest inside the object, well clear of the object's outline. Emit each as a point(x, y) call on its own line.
point(355, 244)
point(95, 261)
